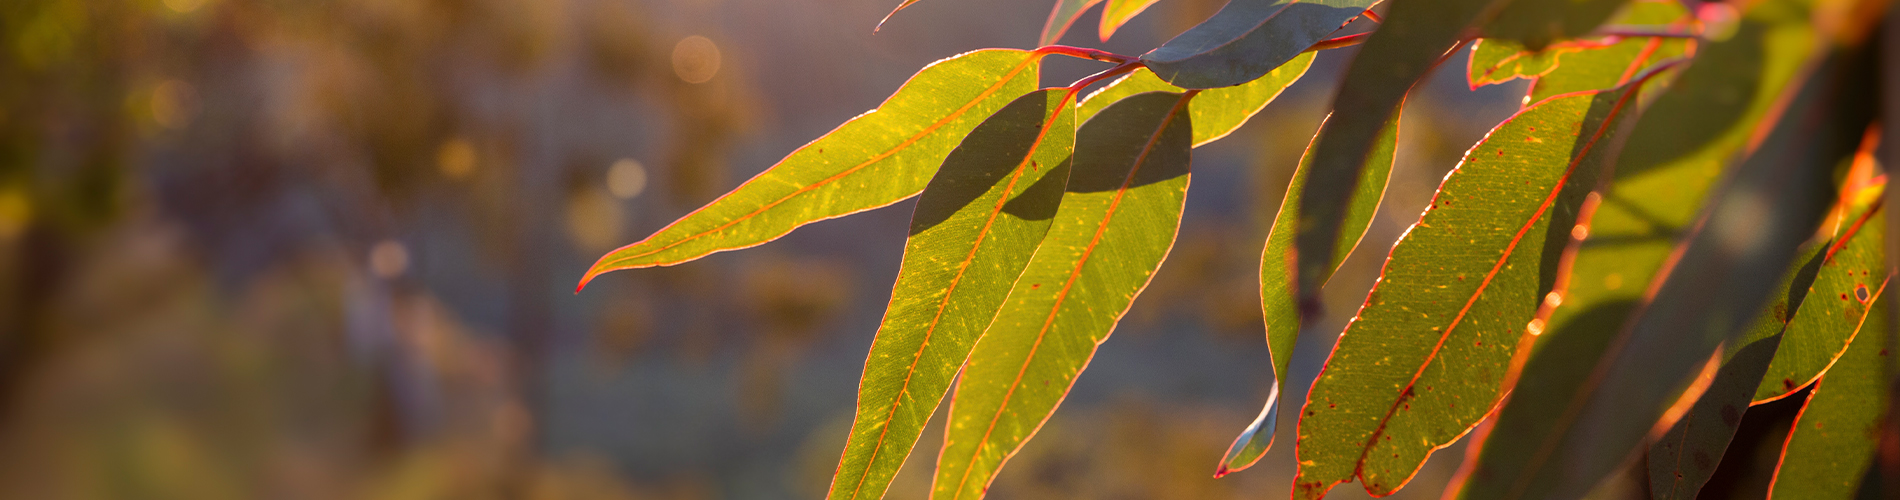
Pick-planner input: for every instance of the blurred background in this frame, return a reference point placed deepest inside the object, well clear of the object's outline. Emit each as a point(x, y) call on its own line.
point(327, 249)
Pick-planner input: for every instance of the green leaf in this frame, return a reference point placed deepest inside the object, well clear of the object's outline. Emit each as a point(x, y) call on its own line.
point(1415, 36)
point(1118, 12)
point(874, 160)
point(1277, 302)
point(1713, 292)
point(1684, 459)
point(1833, 439)
point(1821, 331)
point(1537, 23)
point(1216, 112)
point(1117, 221)
point(974, 229)
point(1471, 272)
point(1248, 38)
point(1674, 154)
point(1059, 19)
point(1586, 64)
point(1498, 61)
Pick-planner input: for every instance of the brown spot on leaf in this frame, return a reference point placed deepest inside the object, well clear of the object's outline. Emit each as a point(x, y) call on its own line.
point(1787, 384)
point(1731, 416)
point(1860, 293)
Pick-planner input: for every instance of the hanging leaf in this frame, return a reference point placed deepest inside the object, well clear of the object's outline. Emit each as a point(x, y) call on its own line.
point(1584, 64)
point(1833, 439)
point(1248, 38)
point(1118, 12)
point(1820, 332)
point(1674, 154)
point(1684, 459)
point(1497, 61)
point(1216, 112)
point(975, 227)
point(1115, 226)
point(1416, 34)
point(1537, 23)
point(1059, 19)
point(1471, 272)
point(874, 160)
point(1711, 294)
point(1277, 302)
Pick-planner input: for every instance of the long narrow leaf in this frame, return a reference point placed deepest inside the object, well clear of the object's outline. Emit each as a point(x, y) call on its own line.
point(1415, 35)
point(1248, 38)
point(975, 227)
point(1277, 302)
point(1710, 295)
point(1833, 439)
point(1117, 222)
point(1059, 19)
point(1821, 332)
point(874, 160)
point(1684, 458)
point(1118, 12)
point(1216, 112)
point(1424, 360)
point(1674, 154)
point(1537, 23)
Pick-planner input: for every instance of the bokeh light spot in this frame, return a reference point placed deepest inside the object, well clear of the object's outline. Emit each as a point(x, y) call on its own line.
point(174, 103)
point(388, 259)
point(456, 158)
point(626, 179)
point(184, 6)
point(593, 220)
point(15, 211)
point(696, 59)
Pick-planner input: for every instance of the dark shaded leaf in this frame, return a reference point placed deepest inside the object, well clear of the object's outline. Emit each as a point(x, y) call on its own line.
point(1116, 224)
point(874, 160)
point(1710, 296)
point(1471, 272)
point(974, 229)
point(1537, 23)
point(1416, 34)
point(1277, 302)
point(1248, 38)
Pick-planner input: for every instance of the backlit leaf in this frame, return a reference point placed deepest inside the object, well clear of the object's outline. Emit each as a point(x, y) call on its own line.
point(1683, 459)
point(1498, 61)
point(1821, 331)
point(1117, 221)
point(1583, 64)
point(1248, 38)
point(874, 160)
point(1416, 34)
point(1277, 301)
point(974, 229)
point(1711, 294)
point(1216, 112)
point(1670, 164)
point(1425, 358)
point(1059, 19)
point(1833, 439)
point(1118, 12)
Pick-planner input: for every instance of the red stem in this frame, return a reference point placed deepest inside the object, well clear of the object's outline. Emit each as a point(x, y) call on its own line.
point(1118, 70)
point(1085, 53)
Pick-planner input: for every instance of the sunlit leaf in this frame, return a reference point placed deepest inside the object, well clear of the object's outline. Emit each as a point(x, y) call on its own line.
point(874, 160)
point(1670, 164)
point(1117, 221)
point(1416, 35)
point(1277, 302)
point(1118, 12)
point(1821, 331)
point(1833, 439)
point(1711, 294)
point(1425, 358)
point(1498, 61)
point(1584, 64)
point(1059, 19)
point(1248, 38)
point(1683, 459)
point(1537, 23)
point(1216, 112)
point(974, 229)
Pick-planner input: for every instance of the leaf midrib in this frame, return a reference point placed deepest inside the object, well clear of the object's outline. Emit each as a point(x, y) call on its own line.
point(950, 291)
point(1062, 295)
point(606, 265)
